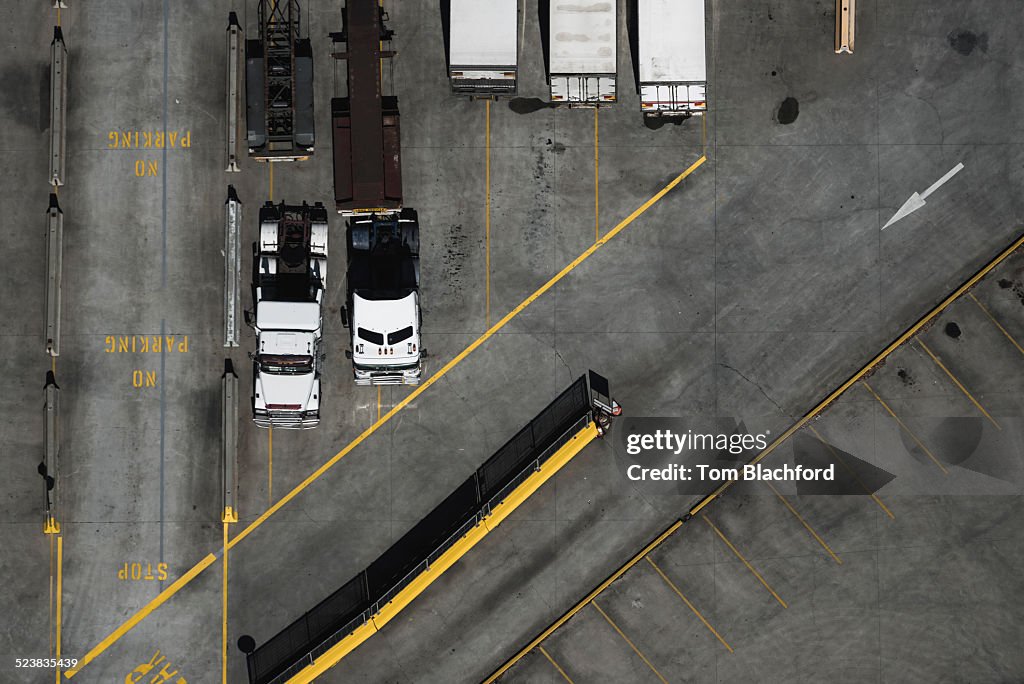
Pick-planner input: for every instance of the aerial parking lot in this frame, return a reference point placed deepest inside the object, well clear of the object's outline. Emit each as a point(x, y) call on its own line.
point(826, 253)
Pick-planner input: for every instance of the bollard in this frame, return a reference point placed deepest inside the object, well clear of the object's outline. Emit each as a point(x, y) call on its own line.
point(58, 106)
point(229, 443)
point(232, 266)
point(54, 248)
point(234, 91)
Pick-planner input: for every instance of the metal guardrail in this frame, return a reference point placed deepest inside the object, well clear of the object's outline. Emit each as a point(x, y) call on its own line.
point(50, 467)
point(54, 259)
point(233, 89)
point(232, 266)
point(58, 106)
point(229, 443)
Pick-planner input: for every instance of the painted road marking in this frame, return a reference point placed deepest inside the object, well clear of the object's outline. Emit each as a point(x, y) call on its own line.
point(487, 215)
point(330, 463)
point(689, 605)
point(917, 201)
point(996, 323)
point(597, 213)
point(60, 594)
point(806, 525)
point(904, 426)
point(629, 641)
point(850, 470)
point(745, 562)
point(881, 356)
point(270, 465)
point(557, 667)
point(224, 614)
point(957, 382)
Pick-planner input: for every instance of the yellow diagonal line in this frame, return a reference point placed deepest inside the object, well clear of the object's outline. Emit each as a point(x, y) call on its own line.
point(745, 561)
point(957, 382)
point(629, 641)
point(997, 324)
point(696, 612)
point(557, 667)
point(806, 525)
point(316, 474)
point(850, 470)
point(904, 426)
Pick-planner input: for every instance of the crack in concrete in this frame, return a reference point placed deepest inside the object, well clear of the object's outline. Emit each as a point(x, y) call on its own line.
point(760, 389)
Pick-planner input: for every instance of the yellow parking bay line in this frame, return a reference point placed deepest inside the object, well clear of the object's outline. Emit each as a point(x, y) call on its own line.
point(745, 562)
point(629, 641)
point(806, 525)
point(487, 214)
point(905, 428)
point(996, 323)
point(850, 470)
point(696, 612)
point(557, 666)
point(957, 382)
point(412, 396)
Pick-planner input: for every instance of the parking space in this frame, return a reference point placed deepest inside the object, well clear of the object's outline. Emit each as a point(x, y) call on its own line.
point(755, 286)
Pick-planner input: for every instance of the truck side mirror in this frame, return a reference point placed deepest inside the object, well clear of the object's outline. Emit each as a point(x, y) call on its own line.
point(247, 315)
point(344, 316)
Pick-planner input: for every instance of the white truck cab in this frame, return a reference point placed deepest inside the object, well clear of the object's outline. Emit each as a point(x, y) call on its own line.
point(383, 309)
point(289, 275)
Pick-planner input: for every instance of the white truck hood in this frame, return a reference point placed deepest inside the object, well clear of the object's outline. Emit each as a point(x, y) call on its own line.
point(273, 315)
point(287, 392)
point(385, 316)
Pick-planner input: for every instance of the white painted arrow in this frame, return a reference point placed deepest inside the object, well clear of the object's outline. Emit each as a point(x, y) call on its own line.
point(916, 200)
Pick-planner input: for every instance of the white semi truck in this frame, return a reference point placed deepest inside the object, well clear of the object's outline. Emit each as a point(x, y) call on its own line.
point(672, 59)
point(483, 46)
point(289, 275)
point(383, 307)
point(581, 38)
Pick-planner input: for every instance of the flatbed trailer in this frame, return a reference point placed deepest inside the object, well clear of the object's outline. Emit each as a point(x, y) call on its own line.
point(366, 132)
point(279, 86)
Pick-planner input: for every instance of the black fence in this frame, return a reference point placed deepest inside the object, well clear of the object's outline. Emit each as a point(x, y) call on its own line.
point(362, 597)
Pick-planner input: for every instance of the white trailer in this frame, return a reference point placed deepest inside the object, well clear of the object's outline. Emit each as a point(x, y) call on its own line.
point(581, 38)
point(483, 46)
point(673, 59)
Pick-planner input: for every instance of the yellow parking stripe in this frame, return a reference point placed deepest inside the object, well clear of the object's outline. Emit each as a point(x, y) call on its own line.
point(957, 382)
point(687, 602)
point(630, 642)
point(806, 525)
point(905, 428)
point(996, 323)
point(745, 562)
point(552, 661)
point(850, 470)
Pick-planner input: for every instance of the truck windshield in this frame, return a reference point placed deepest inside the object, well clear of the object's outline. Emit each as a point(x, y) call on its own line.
point(400, 335)
point(280, 365)
point(371, 336)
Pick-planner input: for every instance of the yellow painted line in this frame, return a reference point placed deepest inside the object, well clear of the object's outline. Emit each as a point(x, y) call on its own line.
point(125, 627)
point(745, 561)
point(630, 642)
point(378, 401)
point(905, 428)
point(850, 470)
point(806, 525)
point(996, 323)
point(224, 615)
point(487, 214)
point(899, 341)
point(597, 214)
point(50, 584)
point(459, 549)
point(692, 607)
point(53, 364)
point(270, 181)
point(60, 597)
point(957, 382)
point(270, 465)
point(586, 599)
point(552, 661)
point(704, 133)
point(58, 16)
point(461, 356)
